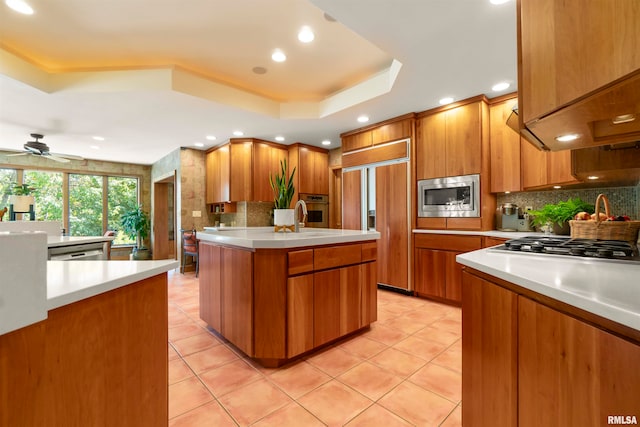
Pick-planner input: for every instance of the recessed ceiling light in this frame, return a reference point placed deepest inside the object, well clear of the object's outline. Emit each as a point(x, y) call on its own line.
point(210, 137)
point(259, 70)
point(98, 138)
point(592, 177)
point(557, 186)
point(507, 192)
point(363, 119)
point(279, 138)
point(446, 100)
point(278, 56)
point(238, 133)
point(95, 147)
point(20, 6)
point(624, 118)
point(567, 137)
point(198, 144)
point(306, 35)
point(499, 87)
point(498, 1)
point(326, 142)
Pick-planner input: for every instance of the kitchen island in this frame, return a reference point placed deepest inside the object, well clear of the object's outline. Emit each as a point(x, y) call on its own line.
point(549, 340)
point(277, 296)
point(99, 357)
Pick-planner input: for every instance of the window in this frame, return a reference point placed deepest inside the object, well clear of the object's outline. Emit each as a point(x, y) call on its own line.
point(85, 205)
point(48, 196)
point(7, 178)
point(122, 196)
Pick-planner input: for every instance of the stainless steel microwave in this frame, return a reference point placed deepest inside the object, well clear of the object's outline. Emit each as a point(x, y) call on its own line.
point(454, 196)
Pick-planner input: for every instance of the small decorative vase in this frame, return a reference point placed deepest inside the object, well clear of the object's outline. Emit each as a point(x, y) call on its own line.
point(283, 220)
point(21, 203)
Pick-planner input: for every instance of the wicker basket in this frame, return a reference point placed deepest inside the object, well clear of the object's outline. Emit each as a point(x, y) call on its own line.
point(605, 230)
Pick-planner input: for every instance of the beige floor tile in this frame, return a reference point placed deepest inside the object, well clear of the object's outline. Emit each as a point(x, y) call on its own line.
point(376, 415)
point(334, 403)
point(451, 358)
point(426, 350)
point(299, 378)
point(254, 401)
point(424, 316)
point(407, 326)
point(177, 317)
point(429, 333)
point(370, 380)
point(187, 395)
point(417, 405)
point(195, 343)
point(172, 353)
point(178, 371)
point(454, 419)
point(292, 415)
point(449, 324)
point(363, 347)
point(384, 334)
point(229, 377)
point(386, 315)
point(398, 362)
point(184, 330)
point(334, 361)
point(210, 358)
point(208, 415)
point(443, 381)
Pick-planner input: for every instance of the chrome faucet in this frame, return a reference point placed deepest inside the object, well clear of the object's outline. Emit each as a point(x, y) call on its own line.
point(296, 215)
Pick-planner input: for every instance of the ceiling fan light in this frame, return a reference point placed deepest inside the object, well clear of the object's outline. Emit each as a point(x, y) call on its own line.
point(19, 6)
point(306, 35)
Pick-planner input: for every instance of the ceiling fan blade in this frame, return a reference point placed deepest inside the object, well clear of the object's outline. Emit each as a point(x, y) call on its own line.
point(17, 154)
point(56, 158)
point(67, 156)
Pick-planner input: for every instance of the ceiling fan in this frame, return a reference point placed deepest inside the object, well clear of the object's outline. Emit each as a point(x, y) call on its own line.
point(38, 148)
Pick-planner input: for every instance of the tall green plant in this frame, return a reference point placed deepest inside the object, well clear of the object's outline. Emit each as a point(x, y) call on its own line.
point(560, 212)
point(283, 188)
point(136, 224)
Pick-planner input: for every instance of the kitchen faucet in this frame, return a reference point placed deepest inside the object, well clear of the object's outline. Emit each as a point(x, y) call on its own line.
point(296, 215)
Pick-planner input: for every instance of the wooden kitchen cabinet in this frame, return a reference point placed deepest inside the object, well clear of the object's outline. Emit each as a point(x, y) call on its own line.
point(357, 141)
point(312, 169)
point(541, 169)
point(436, 272)
point(300, 308)
point(237, 297)
point(352, 200)
point(505, 147)
point(217, 175)
point(449, 141)
point(210, 285)
point(266, 162)
point(390, 130)
point(530, 360)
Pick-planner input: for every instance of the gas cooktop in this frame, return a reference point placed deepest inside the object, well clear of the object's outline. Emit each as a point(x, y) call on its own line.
point(566, 246)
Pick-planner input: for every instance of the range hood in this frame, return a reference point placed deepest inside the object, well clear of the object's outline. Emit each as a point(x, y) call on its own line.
point(514, 123)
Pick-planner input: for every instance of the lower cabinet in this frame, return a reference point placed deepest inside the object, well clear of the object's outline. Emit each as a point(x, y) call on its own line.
point(528, 364)
point(436, 272)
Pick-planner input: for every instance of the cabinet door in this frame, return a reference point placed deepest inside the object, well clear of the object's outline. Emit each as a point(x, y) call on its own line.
point(463, 140)
point(210, 286)
point(430, 272)
point(391, 132)
point(212, 171)
point(393, 225)
point(356, 141)
point(306, 171)
point(559, 168)
point(505, 149)
point(453, 277)
point(350, 299)
point(240, 171)
point(489, 355)
point(369, 293)
point(321, 168)
point(430, 146)
point(300, 314)
point(326, 313)
point(352, 200)
point(534, 165)
point(223, 165)
point(492, 241)
point(571, 373)
point(262, 167)
point(237, 298)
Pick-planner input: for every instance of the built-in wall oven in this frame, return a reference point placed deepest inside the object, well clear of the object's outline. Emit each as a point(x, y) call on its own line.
point(317, 210)
point(454, 196)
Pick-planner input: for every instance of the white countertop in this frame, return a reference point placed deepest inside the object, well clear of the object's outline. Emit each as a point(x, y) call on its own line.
point(266, 238)
point(607, 289)
point(490, 233)
point(53, 241)
point(72, 281)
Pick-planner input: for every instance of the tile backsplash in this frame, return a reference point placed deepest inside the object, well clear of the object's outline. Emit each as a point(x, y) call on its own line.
point(623, 200)
point(248, 214)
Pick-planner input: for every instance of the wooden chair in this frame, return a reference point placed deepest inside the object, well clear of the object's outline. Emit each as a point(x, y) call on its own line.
point(189, 248)
point(107, 245)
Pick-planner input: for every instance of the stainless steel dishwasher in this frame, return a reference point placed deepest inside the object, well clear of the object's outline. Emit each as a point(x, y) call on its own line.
point(81, 251)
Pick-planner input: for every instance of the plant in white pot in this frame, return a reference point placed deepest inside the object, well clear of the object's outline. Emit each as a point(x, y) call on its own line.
point(21, 197)
point(136, 224)
point(283, 190)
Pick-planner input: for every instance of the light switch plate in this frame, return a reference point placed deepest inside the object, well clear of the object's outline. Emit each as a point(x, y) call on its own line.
point(196, 214)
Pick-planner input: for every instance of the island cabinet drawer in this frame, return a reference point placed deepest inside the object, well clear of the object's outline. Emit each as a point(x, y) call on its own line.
point(369, 251)
point(300, 261)
point(448, 242)
point(336, 256)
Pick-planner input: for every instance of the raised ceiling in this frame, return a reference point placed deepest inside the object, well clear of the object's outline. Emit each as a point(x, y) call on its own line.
point(153, 76)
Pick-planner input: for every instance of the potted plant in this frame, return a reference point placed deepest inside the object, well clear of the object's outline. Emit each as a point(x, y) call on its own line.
point(283, 190)
point(558, 216)
point(21, 197)
point(136, 224)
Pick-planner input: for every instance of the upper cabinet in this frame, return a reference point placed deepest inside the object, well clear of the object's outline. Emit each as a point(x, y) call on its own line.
point(390, 130)
point(579, 71)
point(312, 169)
point(449, 142)
point(239, 171)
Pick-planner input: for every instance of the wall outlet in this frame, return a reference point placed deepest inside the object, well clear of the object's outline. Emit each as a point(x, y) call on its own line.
point(196, 214)
point(528, 208)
